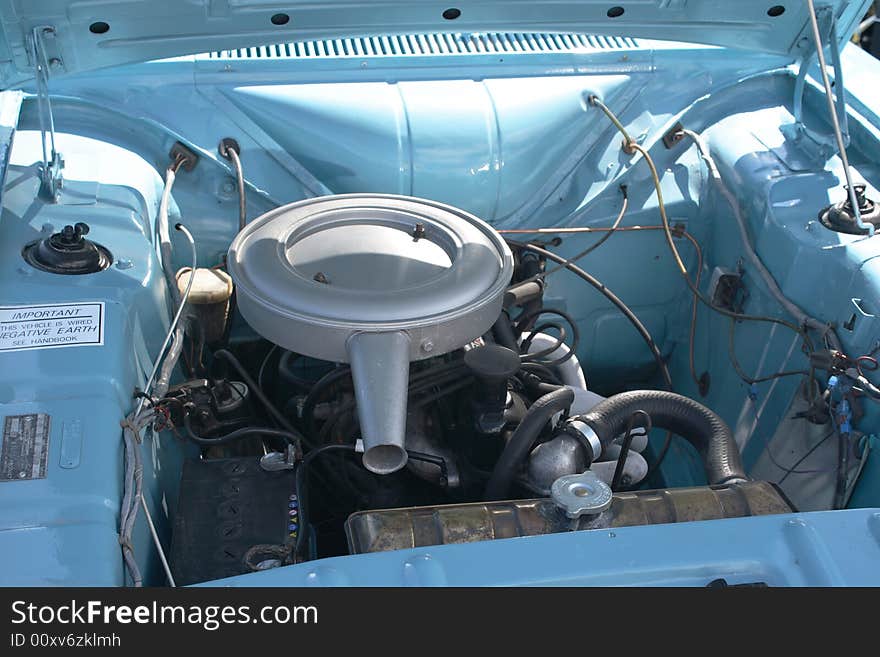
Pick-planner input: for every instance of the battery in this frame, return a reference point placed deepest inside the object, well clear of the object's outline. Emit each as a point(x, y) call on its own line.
point(233, 517)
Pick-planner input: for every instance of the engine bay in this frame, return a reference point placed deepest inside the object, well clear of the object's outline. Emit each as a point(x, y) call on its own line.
point(410, 364)
point(404, 355)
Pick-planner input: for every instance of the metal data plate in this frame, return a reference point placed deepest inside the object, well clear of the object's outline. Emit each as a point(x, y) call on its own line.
point(25, 451)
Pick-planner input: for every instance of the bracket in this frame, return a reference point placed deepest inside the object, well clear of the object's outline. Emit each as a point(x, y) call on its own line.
point(45, 56)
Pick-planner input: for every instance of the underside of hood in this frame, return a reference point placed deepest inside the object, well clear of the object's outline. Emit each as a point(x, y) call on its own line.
point(82, 35)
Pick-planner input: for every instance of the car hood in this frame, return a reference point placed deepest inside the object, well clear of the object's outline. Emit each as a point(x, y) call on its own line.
point(80, 35)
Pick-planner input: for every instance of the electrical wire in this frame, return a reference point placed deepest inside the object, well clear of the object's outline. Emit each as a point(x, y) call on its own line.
point(134, 423)
point(524, 319)
point(692, 331)
point(262, 371)
point(631, 146)
point(792, 470)
point(315, 394)
point(230, 358)
point(162, 230)
point(239, 180)
point(608, 294)
point(734, 361)
point(558, 342)
point(683, 270)
point(751, 254)
point(238, 434)
point(628, 141)
point(417, 385)
point(611, 230)
point(608, 232)
point(629, 314)
point(155, 536)
point(630, 229)
point(625, 446)
point(301, 483)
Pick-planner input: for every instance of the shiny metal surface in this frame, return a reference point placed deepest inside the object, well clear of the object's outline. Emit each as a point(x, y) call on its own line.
point(581, 494)
point(312, 274)
point(553, 459)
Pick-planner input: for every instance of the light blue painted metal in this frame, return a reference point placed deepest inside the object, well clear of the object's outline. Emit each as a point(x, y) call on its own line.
point(811, 549)
point(110, 32)
point(515, 145)
point(10, 109)
point(63, 529)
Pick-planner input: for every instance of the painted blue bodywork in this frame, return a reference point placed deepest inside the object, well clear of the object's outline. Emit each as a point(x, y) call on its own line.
point(87, 35)
point(513, 142)
point(832, 548)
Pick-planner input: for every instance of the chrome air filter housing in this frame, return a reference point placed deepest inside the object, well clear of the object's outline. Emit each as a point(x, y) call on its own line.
point(374, 280)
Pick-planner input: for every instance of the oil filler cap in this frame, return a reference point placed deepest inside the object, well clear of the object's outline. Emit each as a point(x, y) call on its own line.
point(68, 252)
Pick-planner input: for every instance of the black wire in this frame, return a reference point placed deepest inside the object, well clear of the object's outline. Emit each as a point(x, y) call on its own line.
point(301, 484)
point(630, 315)
point(286, 371)
point(317, 391)
point(523, 320)
point(842, 481)
point(543, 328)
point(536, 357)
point(793, 470)
point(440, 394)
point(734, 361)
point(239, 434)
point(627, 441)
point(541, 371)
point(332, 377)
point(270, 407)
point(608, 294)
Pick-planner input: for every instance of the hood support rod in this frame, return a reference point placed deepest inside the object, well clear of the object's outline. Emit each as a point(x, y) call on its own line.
point(53, 162)
point(832, 109)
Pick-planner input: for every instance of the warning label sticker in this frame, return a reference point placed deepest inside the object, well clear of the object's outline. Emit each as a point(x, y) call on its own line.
point(25, 447)
point(51, 326)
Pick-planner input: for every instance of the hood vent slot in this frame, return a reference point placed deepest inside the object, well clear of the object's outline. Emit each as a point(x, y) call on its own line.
point(426, 45)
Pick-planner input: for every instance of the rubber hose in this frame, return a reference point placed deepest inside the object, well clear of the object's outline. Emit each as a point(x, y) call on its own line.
point(523, 440)
point(700, 426)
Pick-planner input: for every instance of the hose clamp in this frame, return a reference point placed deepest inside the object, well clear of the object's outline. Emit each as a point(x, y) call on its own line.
point(585, 432)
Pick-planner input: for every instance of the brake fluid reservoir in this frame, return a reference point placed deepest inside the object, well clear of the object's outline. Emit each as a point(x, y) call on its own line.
point(208, 298)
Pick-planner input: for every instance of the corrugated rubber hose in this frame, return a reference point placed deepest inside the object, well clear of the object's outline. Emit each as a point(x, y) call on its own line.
point(700, 426)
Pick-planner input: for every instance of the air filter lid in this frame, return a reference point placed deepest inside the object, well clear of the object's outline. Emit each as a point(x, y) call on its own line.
point(362, 262)
point(374, 280)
